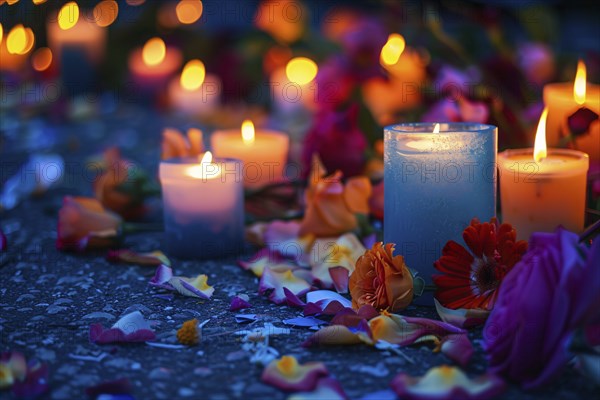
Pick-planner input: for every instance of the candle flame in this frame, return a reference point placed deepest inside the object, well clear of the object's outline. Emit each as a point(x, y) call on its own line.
point(540, 150)
point(248, 132)
point(301, 70)
point(193, 75)
point(436, 129)
point(41, 59)
point(189, 11)
point(1, 32)
point(202, 171)
point(580, 83)
point(20, 40)
point(68, 16)
point(392, 49)
point(154, 51)
point(106, 12)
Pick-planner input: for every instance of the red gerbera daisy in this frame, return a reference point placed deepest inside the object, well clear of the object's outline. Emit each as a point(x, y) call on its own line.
point(471, 279)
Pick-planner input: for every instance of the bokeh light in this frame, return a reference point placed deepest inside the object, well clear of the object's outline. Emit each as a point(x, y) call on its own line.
point(106, 12)
point(154, 51)
point(301, 70)
point(41, 59)
point(20, 40)
point(392, 50)
point(189, 11)
point(193, 75)
point(68, 15)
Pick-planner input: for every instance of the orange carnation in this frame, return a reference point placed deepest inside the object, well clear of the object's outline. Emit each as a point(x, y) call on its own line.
point(381, 280)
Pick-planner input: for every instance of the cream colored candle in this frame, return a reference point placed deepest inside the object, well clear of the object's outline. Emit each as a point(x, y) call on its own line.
point(154, 64)
point(564, 99)
point(194, 92)
point(541, 189)
point(203, 206)
point(66, 30)
point(263, 152)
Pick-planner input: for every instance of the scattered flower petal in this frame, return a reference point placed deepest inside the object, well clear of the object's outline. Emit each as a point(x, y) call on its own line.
point(130, 328)
point(277, 281)
point(192, 287)
point(266, 258)
point(458, 348)
point(446, 383)
point(287, 374)
point(339, 276)
point(304, 321)
point(461, 318)
point(154, 258)
point(239, 302)
point(332, 335)
point(245, 318)
point(261, 333)
point(327, 388)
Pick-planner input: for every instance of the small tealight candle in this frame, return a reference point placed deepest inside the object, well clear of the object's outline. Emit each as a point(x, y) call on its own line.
point(153, 65)
point(203, 206)
point(263, 152)
point(542, 188)
point(194, 92)
point(562, 101)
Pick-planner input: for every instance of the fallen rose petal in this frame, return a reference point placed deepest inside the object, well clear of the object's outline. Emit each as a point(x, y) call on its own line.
point(238, 303)
point(446, 383)
point(118, 386)
point(405, 331)
point(277, 281)
point(283, 237)
point(287, 374)
point(461, 318)
point(332, 335)
point(130, 328)
point(350, 318)
point(326, 254)
point(293, 300)
point(161, 277)
point(36, 381)
point(154, 258)
point(331, 308)
point(326, 389)
point(192, 287)
point(458, 348)
point(324, 297)
point(339, 276)
point(245, 318)
point(304, 321)
point(266, 258)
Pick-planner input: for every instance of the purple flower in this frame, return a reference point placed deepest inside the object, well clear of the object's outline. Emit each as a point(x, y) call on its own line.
point(362, 45)
point(552, 291)
point(536, 61)
point(457, 110)
point(339, 142)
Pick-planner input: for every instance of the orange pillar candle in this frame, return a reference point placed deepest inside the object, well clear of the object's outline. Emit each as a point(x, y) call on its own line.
point(542, 188)
point(263, 152)
point(564, 99)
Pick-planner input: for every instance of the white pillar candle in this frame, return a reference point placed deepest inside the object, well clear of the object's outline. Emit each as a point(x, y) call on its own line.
point(203, 206)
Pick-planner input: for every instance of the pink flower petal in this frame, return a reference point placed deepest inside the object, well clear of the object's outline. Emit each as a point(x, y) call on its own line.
point(36, 381)
point(277, 281)
point(326, 389)
point(293, 300)
point(461, 318)
point(350, 318)
point(287, 374)
point(266, 258)
point(458, 348)
point(238, 303)
point(446, 383)
point(339, 276)
point(154, 258)
point(332, 335)
point(130, 328)
point(161, 277)
point(192, 287)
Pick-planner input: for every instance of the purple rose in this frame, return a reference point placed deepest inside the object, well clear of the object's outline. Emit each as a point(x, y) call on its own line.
point(551, 292)
point(339, 142)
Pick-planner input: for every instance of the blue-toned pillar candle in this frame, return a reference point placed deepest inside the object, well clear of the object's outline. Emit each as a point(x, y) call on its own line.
point(435, 183)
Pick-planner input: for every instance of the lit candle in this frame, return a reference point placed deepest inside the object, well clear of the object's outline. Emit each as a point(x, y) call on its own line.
point(292, 86)
point(402, 89)
point(542, 188)
point(564, 99)
point(68, 31)
point(14, 47)
point(153, 65)
point(194, 92)
point(437, 178)
point(263, 153)
point(203, 206)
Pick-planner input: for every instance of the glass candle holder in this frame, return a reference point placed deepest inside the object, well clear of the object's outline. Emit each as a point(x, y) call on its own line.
point(538, 197)
point(203, 207)
point(435, 184)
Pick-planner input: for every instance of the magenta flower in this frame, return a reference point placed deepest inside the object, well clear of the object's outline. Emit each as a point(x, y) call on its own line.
point(551, 292)
point(339, 142)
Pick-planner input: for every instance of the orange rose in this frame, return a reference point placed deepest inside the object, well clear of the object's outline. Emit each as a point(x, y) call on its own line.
point(331, 205)
point(82, 219)
point(174, 144)
point(381, 280)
